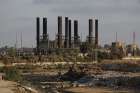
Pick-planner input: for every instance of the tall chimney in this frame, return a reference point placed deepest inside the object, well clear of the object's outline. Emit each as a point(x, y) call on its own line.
point(66, 32)
point(76, 37)
point(70, 43)
point(44, 28)
point(90, 31)
point(37, 33)
point(96, 33)
point(59, 31)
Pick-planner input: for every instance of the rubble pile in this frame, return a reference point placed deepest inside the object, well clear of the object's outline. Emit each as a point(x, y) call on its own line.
point(124, 66)
point(73, 75)
point(110, 79)
point(114, 75)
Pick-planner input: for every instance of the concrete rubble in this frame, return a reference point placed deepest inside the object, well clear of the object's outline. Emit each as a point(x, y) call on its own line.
point(110, 79)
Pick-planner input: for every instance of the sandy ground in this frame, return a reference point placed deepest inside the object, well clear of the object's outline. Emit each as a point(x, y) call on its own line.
point(98, 90)
point(7, 86)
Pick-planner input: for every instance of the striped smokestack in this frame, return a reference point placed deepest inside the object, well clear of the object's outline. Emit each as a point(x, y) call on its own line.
point(59, 31)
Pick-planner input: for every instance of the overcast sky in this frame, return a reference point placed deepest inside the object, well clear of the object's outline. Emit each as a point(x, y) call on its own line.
point(121, 16)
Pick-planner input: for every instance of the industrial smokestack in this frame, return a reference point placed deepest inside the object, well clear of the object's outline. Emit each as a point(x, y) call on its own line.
point(96, 33)
point(70, 43)
point(44, 28)
point(76, 37)
point(90, 31)
point(37, 33)
point(66, 32)
point(59, 31)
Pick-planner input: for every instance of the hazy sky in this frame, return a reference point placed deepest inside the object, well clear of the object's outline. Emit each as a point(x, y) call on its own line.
point(16, 16)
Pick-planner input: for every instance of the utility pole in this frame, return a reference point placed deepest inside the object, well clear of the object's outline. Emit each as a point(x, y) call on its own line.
point(16, 41)
point(21, 39)
point(116, 37)
point(134, 36)
point(96, 55)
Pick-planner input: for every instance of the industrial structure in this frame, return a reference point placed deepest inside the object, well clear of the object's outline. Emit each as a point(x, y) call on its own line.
point(68, 44)
point(66, 41)
point(71, 42)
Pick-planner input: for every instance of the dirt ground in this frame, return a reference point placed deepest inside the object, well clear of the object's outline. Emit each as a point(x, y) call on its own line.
point(7, 86)
point(99, 90)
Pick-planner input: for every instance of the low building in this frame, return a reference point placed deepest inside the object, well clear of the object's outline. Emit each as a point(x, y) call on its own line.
point(118, 50)
point(132, 50)
point(25, 52)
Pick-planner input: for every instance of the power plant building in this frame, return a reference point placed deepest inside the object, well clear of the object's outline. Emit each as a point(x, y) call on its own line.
point(66, 41)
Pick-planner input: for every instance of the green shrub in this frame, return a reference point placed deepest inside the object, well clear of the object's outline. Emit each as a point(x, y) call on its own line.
point(11, 73)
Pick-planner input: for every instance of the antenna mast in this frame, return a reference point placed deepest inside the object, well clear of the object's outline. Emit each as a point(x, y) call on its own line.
point(134, 37)
point(116, 37)
point(21, 39)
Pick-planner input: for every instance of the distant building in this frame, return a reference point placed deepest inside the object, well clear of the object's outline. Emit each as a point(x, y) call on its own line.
point(118, 50)
point(106, 46)
point(25, 51)
point(132, 50)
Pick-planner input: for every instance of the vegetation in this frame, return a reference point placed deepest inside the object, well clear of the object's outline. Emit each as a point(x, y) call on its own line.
point(11, 73)
point(11, 51)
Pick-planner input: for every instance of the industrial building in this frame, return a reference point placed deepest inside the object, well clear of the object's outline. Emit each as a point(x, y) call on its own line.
point(67, 41)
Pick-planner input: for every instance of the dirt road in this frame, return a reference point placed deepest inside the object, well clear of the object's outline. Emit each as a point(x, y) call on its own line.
point(98, 90)
point(7, 86)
